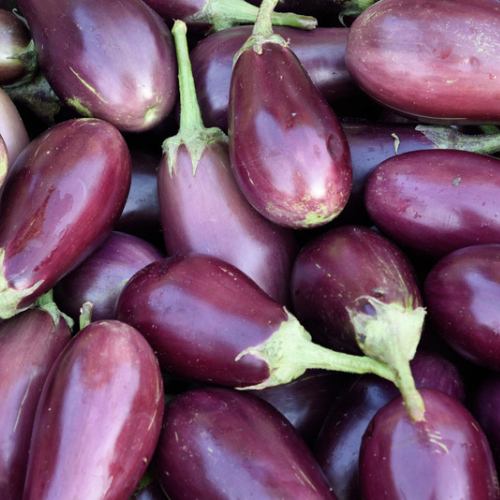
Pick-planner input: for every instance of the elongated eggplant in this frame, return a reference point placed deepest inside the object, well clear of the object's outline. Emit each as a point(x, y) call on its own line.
point(431, 61)
point(288, 151)
point(320, 51)
point(101, 277)
point(437, 201)
point(208, 321)
point(220, 443)
point(29, 345)
point(98, 419)
point(416, 461)
point(65, 192)
point(202, 208)
point(115, 63)
point(462, 293)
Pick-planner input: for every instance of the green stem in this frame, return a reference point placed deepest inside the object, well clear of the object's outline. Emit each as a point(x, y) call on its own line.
point(263, 24)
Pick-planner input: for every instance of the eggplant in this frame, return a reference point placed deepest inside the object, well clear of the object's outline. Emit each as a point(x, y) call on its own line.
point(220, 443)
point(461, 293)
point(201, 206)
point(29, 345)
point(60, 202)
point(97, 68)
point(98, 419)
point(288, 151)
point(430, 61)
point(355, 291)
point(436, 201)
point(101, 277)
point(207, 321)
point(320, 51)
point(403, 459)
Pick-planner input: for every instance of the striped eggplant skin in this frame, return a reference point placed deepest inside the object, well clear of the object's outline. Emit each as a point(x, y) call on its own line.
point(29, 345)
point(433, 202)
point(61, 200)
point(431, 61)
point(114, 61)
point(219, 443)
point(99, 417)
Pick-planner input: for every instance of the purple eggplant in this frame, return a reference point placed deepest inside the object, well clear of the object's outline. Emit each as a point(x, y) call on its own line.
point(288, 151)
point(29, 345)
point(355, 291)
point(98, 419)
point(101, 277)
point(64, 194)
point(445, 456)
point(437, 201)
point(431, 61)
point(462, 294)
point(320, 51)
point(202, 208)
point(220, 443)
point(115, 63)
point(207, 321)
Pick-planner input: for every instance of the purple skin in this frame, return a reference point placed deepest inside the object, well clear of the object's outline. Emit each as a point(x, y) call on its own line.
point(61, 201)
point(436, 201)
point(398, 52)
point(220, 443)
point(101, 277)
point(321, 52)
point(462, 293)
point(29, 345)
point(445, 456)
point(288, 151)
point(338, 443)
point(96, 67)
point(99, 417)
point(152, 491)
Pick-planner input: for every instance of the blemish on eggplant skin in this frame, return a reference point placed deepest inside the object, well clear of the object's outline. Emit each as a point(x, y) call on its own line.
point(456, 181)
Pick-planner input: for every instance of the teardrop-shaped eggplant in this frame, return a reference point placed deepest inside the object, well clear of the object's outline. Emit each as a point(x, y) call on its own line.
point(98, 419)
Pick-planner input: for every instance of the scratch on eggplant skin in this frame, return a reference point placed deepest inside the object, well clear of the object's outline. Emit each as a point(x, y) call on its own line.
point(76, 103)
point(87, 85)
point(24, 400)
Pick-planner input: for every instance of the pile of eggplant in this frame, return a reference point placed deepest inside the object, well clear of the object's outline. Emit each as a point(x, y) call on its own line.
point(249, 250)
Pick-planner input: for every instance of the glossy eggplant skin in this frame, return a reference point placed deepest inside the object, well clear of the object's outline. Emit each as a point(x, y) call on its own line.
point(115, 63)
point(462, 293)
point(288, 151)
point(99, 417)
point(199, 313)
point(218, 443)
point(337, 267)
point(431, 61)
point(403, 459)
point(321, 52)
point(65, 192)
point(29, 344)
point(437, 201)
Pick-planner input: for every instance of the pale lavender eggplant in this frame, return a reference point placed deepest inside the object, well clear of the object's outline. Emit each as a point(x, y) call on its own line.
point(29, 345)
point(114, 62)
point(98, 419)
point(61, 201)
point(220, 443)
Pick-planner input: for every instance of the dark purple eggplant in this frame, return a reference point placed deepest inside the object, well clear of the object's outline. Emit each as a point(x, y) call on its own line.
point(462, 297)
point(203, 210)
point(29, 345)
point(320, 51)
point(151, 490)
point(99, 417)
point(445, 456)
point(356, 291)
point(60, 202)
point(115, 63)
point(217, 443)
point(207, 321)
point(431, 61)
point(288, 151)
point(437, 201)
point(204, 16)
point(101, 277)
